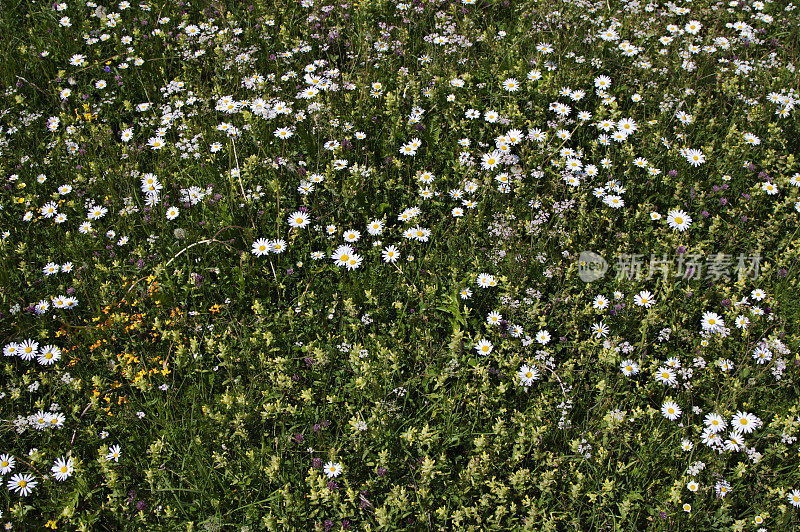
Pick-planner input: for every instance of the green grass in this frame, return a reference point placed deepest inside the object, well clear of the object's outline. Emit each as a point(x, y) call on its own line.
point(230, 379)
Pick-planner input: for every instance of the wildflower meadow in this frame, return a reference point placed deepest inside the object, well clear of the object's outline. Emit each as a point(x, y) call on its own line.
point(399, 265)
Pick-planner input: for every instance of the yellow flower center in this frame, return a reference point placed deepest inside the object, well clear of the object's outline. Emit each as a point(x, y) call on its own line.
point(63, 469)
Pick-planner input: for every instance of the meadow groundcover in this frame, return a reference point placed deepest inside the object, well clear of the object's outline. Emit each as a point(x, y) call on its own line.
point(399, 265)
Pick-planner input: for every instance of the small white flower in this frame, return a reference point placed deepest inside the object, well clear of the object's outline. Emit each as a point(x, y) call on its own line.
point(484, 347)
point(671, 410)
point(333, 469)
point(113, 453)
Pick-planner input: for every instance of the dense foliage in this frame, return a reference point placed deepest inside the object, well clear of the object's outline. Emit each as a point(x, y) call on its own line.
point(416, 265)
